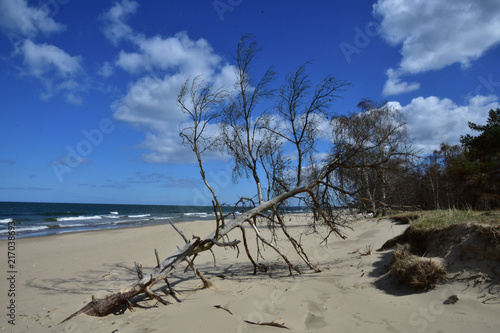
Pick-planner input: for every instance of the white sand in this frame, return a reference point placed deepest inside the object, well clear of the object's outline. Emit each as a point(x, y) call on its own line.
point(58, 274)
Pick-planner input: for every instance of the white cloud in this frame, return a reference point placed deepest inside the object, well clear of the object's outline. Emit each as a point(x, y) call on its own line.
point(151, 103)
point(163, 64)
point(42, 58)
point(177, 53)
point(114, 27)
point(17, 17)
point(130, 62)
point(166, 147)
point(106, 70)
point(72, 98)
point(195, 57)
point(71, 161)
point(394, 85)
point(439, 33)
point(55, 68)
point(432, 120)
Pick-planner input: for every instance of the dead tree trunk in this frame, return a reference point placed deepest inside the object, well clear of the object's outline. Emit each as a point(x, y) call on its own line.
point(104, 306)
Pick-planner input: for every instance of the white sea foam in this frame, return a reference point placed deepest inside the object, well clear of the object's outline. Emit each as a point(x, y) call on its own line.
point(34, 228)
point(139, 216)
point(197, 214)
point(73, 225)
point(79, 218)
point(6, 220)
point(113, 213)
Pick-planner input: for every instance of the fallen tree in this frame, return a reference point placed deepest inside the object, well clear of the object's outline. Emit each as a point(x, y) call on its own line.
point(104, 306)
point(188, 252)
point(280, 148)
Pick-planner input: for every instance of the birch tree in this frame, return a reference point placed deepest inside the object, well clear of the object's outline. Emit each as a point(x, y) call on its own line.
point(381, 134)
point(241, 119)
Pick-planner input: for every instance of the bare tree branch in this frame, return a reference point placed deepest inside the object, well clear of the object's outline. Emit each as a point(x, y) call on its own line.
point(363, 148)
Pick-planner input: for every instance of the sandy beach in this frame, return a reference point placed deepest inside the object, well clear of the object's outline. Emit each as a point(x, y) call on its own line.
point(56, 276)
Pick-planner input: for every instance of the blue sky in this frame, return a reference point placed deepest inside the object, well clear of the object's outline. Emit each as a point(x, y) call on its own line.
point(88, 88)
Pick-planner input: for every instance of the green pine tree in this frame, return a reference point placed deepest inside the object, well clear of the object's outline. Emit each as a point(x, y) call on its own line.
point(483, 157)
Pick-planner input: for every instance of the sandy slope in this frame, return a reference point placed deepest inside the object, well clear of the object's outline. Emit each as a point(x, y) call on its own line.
point(56, 275)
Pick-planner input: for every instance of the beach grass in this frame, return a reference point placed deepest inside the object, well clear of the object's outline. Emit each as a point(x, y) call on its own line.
point(432, 219)
point(418, 272)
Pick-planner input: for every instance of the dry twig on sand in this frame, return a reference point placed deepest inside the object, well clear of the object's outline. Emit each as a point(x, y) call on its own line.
point(273, 323)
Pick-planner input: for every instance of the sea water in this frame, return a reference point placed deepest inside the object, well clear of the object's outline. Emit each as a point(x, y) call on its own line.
point(42, 219)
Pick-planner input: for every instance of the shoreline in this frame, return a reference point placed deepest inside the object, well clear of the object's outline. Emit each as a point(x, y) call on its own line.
point(37, 219)
point(58, 274)
point(40, 219)
point(143, 224)
point(135, 226)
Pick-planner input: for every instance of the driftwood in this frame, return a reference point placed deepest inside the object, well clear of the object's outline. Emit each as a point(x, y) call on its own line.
point(223, 308)
point(273, 323)
point(106, 305)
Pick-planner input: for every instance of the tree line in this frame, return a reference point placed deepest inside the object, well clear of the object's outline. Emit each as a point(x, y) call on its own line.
point(284, 138)
point(465, 176)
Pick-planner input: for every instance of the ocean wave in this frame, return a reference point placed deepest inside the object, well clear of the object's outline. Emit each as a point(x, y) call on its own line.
point(73, 225)
point(161, 218)
point(39, 219)
point(199, 214)
point(124, 222)
point(79, 218)
point(33, 228)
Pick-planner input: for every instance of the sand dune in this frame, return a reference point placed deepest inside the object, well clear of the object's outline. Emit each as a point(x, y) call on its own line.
point(57, 274)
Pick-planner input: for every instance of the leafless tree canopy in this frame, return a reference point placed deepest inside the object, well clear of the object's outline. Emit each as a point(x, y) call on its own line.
point(293, 146)
point(241, 120)
point(278, 140)
point(379, 132)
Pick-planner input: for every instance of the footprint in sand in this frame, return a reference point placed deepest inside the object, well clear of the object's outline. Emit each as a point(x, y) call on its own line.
point(313, 320)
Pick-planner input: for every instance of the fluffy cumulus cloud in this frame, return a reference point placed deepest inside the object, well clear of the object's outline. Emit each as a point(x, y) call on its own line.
point(158, 67)
point(394, 85)
point(432, 120)
point(151, 103)
point(436, 34)
point(115, 29)
point(54, 67)
point(19, 20)
point(165, 147)
point(171, 53)
point(42, 58)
